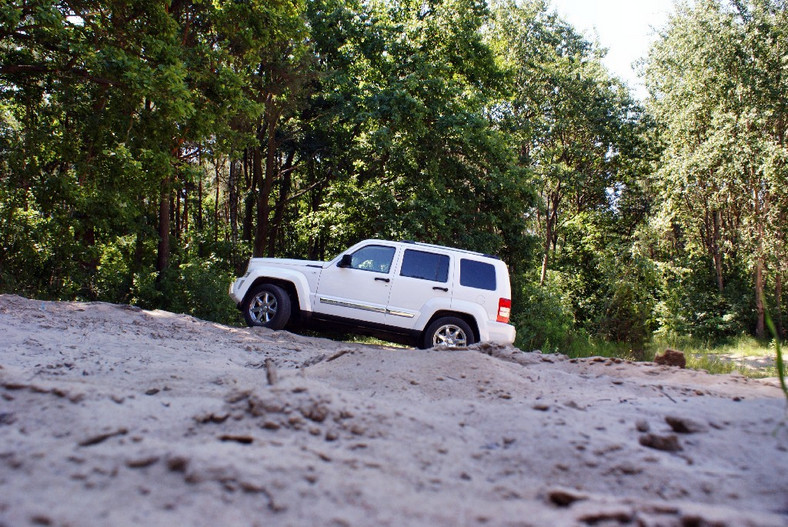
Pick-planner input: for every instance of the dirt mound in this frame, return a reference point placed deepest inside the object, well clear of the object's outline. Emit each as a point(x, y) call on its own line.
point(111, 415)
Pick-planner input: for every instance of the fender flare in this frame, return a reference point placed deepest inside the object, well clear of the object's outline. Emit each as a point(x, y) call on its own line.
point(298, 280)
point(473, 313)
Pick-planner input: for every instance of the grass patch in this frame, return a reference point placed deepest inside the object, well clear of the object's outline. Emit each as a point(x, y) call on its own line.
point(743, 354)
point(590, 347)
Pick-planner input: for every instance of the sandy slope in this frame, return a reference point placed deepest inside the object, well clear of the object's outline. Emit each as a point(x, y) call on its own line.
point(111, 415)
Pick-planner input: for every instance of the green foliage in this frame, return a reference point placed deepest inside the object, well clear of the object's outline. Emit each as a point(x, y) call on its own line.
point(740, 354)
point(113, 279)
point(720, 101)
point(691, 305)
point(26, 246)
point(197, 287)
point(148, 149)
point(779, 361)
point(544, 319)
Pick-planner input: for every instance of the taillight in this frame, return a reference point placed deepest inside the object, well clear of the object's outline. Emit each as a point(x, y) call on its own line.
point(504, 310)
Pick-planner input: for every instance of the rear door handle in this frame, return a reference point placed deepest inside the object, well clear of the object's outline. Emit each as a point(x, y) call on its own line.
point(444, 289)
point(382, 280)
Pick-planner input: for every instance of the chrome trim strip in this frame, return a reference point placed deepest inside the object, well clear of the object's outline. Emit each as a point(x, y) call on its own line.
point(365, 307)
point(400, 314)
point(351, 305)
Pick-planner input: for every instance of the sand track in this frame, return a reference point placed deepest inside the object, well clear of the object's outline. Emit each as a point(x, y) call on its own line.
point(111, 415)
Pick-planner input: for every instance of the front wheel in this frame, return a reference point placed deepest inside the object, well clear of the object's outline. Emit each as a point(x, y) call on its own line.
point(267, 305)
point(451, 332)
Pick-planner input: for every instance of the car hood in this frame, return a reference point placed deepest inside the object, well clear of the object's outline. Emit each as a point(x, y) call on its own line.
point(285, 262)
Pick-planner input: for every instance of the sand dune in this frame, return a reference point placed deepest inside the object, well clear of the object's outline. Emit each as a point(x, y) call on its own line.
point(111, 415)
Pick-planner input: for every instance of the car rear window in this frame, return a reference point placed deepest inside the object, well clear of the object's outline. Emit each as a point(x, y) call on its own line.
point(478, 275)
point(425, 265)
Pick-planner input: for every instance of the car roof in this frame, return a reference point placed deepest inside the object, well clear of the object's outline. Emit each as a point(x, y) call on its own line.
point(443, 247)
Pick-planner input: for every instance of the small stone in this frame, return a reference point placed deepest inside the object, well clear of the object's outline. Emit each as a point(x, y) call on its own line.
point(564, 497)
point(142, 462)
point(642, 426)
point(243, 439)
point(683, 425)
point(177, 464)
point(667, 443)
point(671, 357)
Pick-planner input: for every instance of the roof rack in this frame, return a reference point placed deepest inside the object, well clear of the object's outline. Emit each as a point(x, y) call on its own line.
point(475, 253)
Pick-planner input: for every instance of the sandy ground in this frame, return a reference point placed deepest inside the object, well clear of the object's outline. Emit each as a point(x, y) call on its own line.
point(110, 415)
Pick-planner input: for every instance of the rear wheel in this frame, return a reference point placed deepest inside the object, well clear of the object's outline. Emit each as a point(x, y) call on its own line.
point(267, 305)
point(451, 332)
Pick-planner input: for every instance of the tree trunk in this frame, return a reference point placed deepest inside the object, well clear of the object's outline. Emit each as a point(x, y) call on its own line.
point(185, 216)
point(233, 202)
point(216, 205)
point(250, 199)
point(760, 325)
point(263, 203)
point(176, 206)
point(718, 251)
point(778, 304)
point(262, 211)
point(760, 209)
point(199, 205)
point(545, 261)
point(279, 210)
point(163, 257)
point(551, 218)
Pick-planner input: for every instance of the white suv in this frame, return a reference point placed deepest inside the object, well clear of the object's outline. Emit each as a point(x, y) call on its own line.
point(427, 295)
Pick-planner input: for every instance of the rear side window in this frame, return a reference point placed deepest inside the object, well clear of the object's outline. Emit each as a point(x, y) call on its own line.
point(426, 266)
point(478, 275)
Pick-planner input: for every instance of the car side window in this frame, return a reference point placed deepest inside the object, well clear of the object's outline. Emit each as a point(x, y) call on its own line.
point(478, 275)
point(375, 258)
point(425, 266)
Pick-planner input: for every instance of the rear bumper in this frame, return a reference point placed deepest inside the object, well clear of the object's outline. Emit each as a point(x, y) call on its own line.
point(500, 333)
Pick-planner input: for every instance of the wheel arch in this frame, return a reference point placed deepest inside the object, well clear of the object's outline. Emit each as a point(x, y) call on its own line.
point(466, 317)
point(288, 286)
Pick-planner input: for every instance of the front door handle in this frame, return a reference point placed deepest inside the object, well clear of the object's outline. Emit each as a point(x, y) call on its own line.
point(382, 280)
point(444, 289)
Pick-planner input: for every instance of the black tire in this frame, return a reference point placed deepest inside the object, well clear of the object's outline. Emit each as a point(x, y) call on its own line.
point(267, 305)
point(451, 332)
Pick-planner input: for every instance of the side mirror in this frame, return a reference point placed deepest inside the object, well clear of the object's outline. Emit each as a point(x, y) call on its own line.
point(346, 261)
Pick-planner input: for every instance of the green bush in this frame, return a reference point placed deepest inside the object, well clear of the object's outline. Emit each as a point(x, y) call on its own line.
point(543, 319)
point(114, 278)
point(198, 288)
point(691, 305)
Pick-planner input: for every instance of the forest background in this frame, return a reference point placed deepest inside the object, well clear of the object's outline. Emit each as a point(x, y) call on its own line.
point(148, 149)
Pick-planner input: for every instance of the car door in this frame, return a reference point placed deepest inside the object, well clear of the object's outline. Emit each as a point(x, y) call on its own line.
point(422, 282)
point(358, 288)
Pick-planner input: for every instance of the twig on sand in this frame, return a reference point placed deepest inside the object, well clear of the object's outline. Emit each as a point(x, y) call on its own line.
point(270, 371)
point(337, 355)
point(662, 389)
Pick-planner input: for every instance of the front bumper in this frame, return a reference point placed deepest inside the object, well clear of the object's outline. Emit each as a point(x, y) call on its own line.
point(235, 291)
